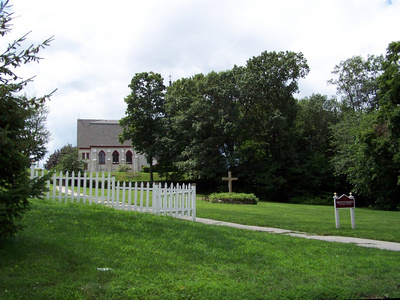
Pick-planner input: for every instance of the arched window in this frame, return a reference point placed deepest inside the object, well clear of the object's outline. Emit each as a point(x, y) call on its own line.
point(129, 157)
point(102, 157)
point(115, 157)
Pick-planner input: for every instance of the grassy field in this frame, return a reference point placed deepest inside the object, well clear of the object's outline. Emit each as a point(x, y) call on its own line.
point(71, 251)
point(371, 224)
point(313, 219)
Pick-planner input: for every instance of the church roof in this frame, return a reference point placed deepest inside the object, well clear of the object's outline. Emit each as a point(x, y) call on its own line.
point(99, 133)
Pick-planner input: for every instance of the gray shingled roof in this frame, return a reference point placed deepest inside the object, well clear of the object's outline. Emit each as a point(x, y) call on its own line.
point(99, 133)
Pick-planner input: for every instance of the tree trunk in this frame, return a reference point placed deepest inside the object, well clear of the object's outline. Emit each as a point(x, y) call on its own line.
point(151, 172)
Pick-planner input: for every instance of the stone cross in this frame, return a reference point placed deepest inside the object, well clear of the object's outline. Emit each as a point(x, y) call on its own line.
point(230, 179)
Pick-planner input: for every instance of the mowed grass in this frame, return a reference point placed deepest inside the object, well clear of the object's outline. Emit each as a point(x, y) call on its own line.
point(74, 251)
point(314, 219)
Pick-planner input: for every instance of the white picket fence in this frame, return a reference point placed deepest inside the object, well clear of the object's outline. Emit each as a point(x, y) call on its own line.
point(175, 200)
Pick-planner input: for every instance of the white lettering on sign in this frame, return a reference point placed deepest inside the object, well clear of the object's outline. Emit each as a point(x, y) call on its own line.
point(344, 202)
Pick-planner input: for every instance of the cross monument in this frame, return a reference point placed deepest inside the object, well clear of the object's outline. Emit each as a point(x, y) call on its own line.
point(230, 179)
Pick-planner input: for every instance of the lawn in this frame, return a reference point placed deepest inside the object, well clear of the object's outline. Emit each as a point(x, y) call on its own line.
point(317, 219)
point(313, 219)
point(73, 251)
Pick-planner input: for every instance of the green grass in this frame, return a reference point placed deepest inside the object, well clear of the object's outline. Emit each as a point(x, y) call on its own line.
point(58, 255)
point(370, 224)
point(135, 176)
point(313, 219)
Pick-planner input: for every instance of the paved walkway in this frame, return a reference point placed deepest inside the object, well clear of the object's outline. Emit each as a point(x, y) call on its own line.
point(339, 239)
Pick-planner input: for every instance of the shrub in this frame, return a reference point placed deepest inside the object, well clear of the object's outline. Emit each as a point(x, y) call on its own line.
point(234, 198)
point(146, 169)
point(123, 168)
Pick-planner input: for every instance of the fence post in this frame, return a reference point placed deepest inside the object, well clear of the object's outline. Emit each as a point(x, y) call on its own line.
point(84, 189)
point(193, 202)
point(130, 195)
point(54, 185)
point(78, 187)
point(90, 188)
point(148, 189)
point(32, 169)
point(155, 197)
point(352, 215)
point(48, 187)
point(135, 197)
point(113, 189)
point(60, 187)
point(141, 196)
point(102, 188)
point(72, 186)
point(335, 197)
point(96, 188)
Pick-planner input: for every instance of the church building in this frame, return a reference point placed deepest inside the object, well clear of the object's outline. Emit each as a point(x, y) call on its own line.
point(100, 149)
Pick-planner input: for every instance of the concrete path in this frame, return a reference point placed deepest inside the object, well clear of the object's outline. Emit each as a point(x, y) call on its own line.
point(339, 239)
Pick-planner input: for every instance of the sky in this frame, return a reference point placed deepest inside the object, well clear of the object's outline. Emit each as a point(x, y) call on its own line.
point(100, 45)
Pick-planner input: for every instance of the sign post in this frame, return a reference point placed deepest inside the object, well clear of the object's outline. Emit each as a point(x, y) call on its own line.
point(345, 202)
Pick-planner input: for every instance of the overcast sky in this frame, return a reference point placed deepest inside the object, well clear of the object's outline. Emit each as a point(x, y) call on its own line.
point(100, 45)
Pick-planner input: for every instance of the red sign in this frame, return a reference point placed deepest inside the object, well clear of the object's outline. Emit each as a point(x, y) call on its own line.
point(344, 202)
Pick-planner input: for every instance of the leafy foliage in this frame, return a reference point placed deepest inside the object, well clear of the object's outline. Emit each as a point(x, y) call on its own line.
point(202, 118)
point(234, 198)
point(246, 120)
point(240, 120)
point(357, 83)
point(70, 161)
point(367, 143)
point(53, 159)
point(35, 129)
point(123, 168)
point(17, 144)
point(145, 111)
point(312, 170)
point(267, 85)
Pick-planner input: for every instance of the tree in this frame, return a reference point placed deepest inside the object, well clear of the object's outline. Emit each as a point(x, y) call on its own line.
point(357, 83)
point(240, 120)
point(203, 118)
point(69, 160)
point(367, 145)
point(267, 85)
point(16, 147)
point(143, 124)
point(314, 121)
point(35, 129)
point(53, 159)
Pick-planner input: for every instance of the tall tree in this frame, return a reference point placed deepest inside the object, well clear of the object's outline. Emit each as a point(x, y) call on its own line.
point(203, 117)
point(143, 124)
point(267, 87)
point(368, 146)
point(357, 82)
point(316, 116)
point(16, 147)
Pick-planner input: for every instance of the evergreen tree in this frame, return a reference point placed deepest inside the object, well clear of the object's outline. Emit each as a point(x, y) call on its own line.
point(17, 147)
